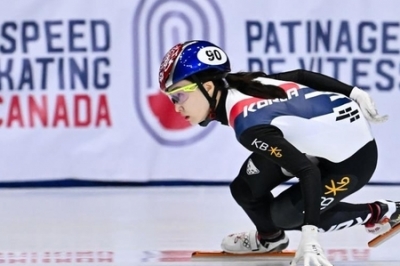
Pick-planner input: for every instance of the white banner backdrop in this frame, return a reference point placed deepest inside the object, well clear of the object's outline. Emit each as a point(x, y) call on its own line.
point(78, 80)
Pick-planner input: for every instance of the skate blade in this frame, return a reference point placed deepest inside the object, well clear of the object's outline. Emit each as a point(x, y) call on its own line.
point(219, 254)
point(384, 237)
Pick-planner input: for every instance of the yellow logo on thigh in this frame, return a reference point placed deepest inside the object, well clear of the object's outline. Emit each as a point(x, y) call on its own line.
point(338, 186)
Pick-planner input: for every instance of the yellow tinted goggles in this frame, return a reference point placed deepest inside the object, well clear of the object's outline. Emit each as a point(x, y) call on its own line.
point(179, 95)
point(188, 88)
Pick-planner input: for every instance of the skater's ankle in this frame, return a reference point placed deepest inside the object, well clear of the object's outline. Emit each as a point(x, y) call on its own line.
point(377, 211)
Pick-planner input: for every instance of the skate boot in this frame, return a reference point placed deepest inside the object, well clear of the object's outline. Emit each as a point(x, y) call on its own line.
point(248, 242)
point(385, 216)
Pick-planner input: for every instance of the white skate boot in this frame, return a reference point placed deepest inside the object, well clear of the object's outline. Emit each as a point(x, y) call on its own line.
point(388, 224)
point(389, 218)
point(248, 242)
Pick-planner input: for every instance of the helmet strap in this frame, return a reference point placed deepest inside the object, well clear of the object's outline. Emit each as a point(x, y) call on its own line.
point(212, 100)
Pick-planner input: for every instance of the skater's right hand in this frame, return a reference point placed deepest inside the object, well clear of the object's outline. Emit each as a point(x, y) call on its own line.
point(367, 106)
point(309, 249)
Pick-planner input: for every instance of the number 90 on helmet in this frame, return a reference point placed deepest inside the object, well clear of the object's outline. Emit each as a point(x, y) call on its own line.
point(189, 58)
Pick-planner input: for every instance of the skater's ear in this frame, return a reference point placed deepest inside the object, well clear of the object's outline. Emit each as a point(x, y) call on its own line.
point(209, 86)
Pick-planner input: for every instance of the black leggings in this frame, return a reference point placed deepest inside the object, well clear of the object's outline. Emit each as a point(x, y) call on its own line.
point(252, 191)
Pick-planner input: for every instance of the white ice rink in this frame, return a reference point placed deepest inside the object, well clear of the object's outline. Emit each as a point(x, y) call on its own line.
point(152, 226)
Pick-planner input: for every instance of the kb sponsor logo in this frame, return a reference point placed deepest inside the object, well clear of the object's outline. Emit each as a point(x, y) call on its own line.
point(158, 26)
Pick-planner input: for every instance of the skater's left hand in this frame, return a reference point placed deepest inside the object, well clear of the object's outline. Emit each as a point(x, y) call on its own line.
point(309, 249)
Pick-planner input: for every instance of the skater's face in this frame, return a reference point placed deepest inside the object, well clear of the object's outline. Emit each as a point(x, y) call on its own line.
point(189, 101)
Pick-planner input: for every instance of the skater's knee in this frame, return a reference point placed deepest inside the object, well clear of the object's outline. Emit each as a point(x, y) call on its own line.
point(240, 191)
point(246, 197)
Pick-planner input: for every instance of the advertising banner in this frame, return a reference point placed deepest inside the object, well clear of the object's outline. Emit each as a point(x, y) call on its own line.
point(79, 94)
